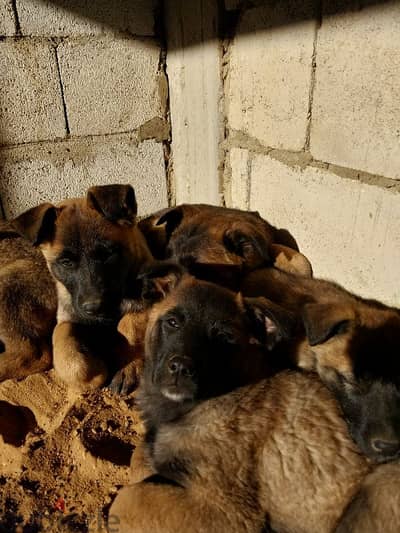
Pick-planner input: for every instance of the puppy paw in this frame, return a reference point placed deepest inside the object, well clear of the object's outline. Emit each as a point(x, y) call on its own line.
point(125, 380)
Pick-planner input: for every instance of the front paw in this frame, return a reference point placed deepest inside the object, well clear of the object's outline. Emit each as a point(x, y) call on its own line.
point(125, 380)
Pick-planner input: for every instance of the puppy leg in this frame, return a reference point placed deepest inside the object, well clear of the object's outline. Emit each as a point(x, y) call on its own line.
point(163, 508)
point(74, 364)
point(141, 466)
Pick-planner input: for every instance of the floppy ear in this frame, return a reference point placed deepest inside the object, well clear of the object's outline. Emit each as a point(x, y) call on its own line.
point(116, 203)
point(323, 321)
point(271, 322)
point(227, 275)
point(290, 260)
point(36, 224)
point(251, 247)
point(158, 279)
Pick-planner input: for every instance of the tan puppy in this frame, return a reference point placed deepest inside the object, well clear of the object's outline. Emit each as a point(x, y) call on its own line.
point(94, 251)
point(27, 307)
point(272, 454)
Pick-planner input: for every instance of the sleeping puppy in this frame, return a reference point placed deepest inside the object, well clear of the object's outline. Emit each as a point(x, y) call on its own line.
point(275, 453)
point(354, 346)
point(236, 241)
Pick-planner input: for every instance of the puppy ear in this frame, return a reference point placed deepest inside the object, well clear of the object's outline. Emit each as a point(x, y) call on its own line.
point(172, 218)
point(271, 322)
point(290, 260)
point(324, 321)
point(227, 275)
point(116, 203)
point(158, 279)
point(37, 224)
point(251, 247)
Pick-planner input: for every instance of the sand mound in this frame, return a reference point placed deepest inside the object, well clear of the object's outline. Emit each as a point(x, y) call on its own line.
point(62, 456)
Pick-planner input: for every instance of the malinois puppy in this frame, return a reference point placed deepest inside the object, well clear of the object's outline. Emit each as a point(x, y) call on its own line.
point(354, 346)
point(27, 307)
point(275, 453)
point(238, 241)
point(94, 251)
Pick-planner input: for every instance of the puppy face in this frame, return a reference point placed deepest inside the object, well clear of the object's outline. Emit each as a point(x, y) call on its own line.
point(199, 341)
point(357, 353)
point(93, 250)
point(203, 234)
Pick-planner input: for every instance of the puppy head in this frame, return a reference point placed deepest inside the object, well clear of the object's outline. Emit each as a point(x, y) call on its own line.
point(356, 348)
point(200, 339)
point(204, 234)
point(92, 247)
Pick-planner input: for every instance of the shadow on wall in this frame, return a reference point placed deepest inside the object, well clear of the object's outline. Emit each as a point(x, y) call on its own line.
point(284, 12)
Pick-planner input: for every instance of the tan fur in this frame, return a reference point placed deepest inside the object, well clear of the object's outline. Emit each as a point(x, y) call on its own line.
point(27, 307)
point(276, 451)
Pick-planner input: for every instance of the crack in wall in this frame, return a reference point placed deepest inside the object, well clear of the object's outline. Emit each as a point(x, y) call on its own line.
point(64, 104)
point(16, 17)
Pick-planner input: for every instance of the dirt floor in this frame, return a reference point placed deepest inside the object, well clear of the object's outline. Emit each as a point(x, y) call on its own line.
point(62, 456)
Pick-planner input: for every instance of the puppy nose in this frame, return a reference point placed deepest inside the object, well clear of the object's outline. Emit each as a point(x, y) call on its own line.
point(386, 447)
point(180, 366)
point(91, 307)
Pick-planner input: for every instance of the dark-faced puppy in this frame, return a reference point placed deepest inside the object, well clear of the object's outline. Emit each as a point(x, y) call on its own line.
point(197, 235)
point(27, 307)
point(353, 344)
point(272, 454)
point(94, 251)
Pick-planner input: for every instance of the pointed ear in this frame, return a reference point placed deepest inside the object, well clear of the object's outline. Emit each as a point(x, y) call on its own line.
point(323, 321)
point(116, 203)
point(172, 218)
point(37, 224)
point(158, 279)
point(271, 322)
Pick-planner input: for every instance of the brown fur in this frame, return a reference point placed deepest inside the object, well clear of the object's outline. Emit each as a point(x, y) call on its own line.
point(276, 453)
point(198, 234)
point(27, 307)
point(84, 356)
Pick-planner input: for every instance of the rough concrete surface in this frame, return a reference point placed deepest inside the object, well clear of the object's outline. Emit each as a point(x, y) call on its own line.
point(349, 230)
point(77, 17)
point(269, 75)
point(193, 67)
point(237, 194)
point(30, 96)
point(7, 22)
point(53, 171)
point(356, 105)
point(110, 84)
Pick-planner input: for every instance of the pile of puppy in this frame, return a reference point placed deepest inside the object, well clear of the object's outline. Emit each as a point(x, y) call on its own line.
point(271, 399)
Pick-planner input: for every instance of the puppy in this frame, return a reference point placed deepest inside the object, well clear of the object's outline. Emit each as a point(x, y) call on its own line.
point(94, 250)
point(238, 241)
point(354, 346)
point(27, 307)
point(272, 454)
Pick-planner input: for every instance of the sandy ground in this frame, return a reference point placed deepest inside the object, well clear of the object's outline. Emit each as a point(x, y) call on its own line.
point(63, 456)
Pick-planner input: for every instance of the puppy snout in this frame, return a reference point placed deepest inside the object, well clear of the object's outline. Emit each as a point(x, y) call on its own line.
point(91, 307)
point(386, 447)
point(180, 366)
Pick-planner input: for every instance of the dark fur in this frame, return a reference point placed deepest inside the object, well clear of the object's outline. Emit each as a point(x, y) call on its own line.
point(272, 454)
point(353, 344)
point(94, 251)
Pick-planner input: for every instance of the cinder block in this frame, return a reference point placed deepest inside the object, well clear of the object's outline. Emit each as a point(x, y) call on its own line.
point(7, 22)
point(83, 17)
point(238, 193)
point(30, 97)
point(349, 230)
point(110, 84)
point(269, 75)
point(53, 171)
point(356, 106)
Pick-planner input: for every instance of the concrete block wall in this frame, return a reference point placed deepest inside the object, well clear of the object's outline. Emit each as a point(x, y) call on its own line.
point(83, 100)
point(312, 131)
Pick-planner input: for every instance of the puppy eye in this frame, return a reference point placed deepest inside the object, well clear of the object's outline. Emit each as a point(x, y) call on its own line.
point(67, 262)
point(173, 323)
